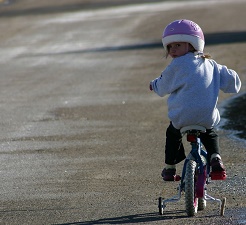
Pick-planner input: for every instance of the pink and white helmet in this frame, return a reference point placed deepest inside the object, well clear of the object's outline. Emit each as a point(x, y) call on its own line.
point(184, 31)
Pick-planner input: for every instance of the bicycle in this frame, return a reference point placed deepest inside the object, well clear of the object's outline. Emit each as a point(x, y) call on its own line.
point(195, 176)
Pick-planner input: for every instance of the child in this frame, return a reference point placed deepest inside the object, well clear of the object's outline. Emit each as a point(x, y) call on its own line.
point(192, 81)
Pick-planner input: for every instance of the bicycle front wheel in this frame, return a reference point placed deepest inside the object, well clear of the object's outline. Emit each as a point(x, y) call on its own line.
point(191, 202)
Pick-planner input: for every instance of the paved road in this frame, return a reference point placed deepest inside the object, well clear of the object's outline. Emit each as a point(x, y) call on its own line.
point(82, 138)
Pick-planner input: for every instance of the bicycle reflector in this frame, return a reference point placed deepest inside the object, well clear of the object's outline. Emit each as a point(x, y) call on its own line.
point(191, 138)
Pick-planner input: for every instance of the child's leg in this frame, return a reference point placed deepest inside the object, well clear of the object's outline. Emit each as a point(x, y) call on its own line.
point(174, 149)
point(174, 152)
point(211, 142)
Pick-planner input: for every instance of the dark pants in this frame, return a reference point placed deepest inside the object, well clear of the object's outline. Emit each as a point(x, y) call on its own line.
point(174, 149)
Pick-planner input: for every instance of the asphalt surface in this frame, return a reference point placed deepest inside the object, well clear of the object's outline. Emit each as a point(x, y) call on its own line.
point(82, 138)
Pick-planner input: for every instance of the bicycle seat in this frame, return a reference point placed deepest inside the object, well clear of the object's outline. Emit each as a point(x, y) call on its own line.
point(193, 127)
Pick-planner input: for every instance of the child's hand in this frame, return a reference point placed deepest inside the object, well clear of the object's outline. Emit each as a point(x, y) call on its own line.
point(150, 87)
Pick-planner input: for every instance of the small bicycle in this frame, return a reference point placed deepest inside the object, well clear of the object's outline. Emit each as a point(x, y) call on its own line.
point(195, 176)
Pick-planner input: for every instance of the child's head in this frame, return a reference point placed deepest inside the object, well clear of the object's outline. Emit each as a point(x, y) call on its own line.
point(176, 49)
point(185, 33)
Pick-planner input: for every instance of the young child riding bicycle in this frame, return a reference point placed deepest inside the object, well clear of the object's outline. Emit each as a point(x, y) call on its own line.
point(193, 81)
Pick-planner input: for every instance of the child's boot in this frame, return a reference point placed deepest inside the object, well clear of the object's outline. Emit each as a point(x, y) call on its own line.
point(218, 170)
point(169, 173)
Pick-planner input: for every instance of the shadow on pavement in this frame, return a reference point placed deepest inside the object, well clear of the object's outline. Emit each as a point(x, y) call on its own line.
point(138, 218)
point(235, 122)
point(211, 39)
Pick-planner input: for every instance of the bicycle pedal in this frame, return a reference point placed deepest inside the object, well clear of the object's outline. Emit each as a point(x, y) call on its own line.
point(220, 175)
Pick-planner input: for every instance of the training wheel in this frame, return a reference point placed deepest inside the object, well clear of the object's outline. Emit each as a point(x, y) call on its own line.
point(161, 206)
point(222, 209)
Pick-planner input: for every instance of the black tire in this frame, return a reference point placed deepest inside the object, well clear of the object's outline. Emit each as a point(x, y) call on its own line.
point(223, 205)
point(201, 204)
point(191, 203)
point(160, 206)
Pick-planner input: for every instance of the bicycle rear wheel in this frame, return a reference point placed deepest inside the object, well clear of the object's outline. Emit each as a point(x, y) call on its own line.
point(191, 202)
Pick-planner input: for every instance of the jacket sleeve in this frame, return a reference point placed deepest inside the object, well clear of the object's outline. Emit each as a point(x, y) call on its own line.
point(164, 84)
point(229, 80)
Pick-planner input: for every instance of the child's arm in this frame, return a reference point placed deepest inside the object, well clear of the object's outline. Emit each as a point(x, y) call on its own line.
point(229, 80)
point(163, 84)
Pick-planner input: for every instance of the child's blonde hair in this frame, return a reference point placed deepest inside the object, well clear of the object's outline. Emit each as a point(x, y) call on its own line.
point(206, 56)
